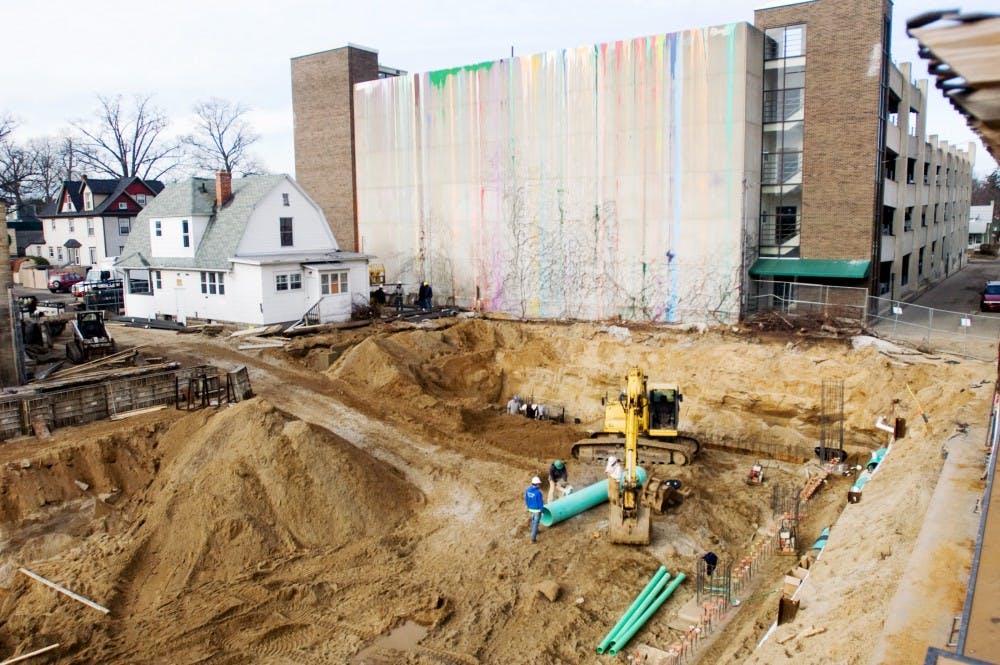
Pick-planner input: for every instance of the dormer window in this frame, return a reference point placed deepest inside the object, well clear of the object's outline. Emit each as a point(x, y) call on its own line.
point(88, 200)
point(140, 199)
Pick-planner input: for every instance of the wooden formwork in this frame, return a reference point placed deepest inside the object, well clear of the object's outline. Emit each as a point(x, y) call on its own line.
point(87, 402)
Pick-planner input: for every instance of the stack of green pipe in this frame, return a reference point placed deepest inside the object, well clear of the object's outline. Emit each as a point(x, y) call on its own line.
point(579, 501)
point(661, 575)
point(639, 620)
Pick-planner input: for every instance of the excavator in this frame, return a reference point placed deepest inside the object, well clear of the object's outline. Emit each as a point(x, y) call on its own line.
point(657, 415)
point(629, 517)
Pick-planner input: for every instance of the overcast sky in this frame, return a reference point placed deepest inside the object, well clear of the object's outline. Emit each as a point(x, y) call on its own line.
point(61, 54)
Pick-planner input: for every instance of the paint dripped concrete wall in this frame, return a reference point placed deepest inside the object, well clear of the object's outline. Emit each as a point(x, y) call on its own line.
point(619, 180)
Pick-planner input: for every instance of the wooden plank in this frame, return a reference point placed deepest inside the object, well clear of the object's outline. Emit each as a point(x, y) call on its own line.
point(31, 654)
point(136, 412)
point(64, 590)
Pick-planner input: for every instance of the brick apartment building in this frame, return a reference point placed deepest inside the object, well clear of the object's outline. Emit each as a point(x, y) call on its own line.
point(462, 177)
point(853, 191)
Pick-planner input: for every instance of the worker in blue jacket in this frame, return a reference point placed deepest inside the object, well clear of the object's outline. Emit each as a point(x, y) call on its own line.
point(534, 500)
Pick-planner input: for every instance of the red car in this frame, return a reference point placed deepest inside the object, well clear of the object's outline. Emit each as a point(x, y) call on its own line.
point(61, 282)
point(990, 298)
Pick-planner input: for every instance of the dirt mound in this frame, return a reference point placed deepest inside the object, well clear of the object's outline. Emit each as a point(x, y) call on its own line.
point(253, 485)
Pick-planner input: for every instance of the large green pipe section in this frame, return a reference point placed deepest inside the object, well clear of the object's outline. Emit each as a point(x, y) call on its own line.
point(577, 502)
point(622, 638)
point(635, 612)
point(648, 590)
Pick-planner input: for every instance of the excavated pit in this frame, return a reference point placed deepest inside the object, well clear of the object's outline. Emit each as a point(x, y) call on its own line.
point(343, 503)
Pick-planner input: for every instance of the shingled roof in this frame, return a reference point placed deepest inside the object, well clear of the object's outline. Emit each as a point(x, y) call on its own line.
point(112, 188)
point(195, 197)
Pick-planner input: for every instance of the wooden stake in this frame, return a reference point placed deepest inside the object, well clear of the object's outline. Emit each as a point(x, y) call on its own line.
point(62, 589)
point(26, 656)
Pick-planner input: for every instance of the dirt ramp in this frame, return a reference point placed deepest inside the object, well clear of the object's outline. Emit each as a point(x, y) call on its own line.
point(251, 486)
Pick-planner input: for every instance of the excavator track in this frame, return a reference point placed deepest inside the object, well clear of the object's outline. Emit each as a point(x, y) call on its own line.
point(680, 450)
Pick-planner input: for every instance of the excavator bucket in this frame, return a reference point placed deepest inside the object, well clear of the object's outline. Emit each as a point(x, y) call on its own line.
point(659, 495)
point(629, 530)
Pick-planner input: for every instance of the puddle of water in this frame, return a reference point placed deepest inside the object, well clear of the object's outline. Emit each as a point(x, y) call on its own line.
point(401, 638)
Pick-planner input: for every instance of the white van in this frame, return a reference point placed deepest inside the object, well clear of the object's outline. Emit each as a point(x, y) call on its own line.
point(98, 275)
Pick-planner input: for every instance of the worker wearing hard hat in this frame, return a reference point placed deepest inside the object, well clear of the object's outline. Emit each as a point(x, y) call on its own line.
point(534, 500)
point(558, 475)
point(614, 471)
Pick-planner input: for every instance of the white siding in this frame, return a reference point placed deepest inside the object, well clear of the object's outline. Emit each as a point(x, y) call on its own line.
point(171, 243)
point(310, 231)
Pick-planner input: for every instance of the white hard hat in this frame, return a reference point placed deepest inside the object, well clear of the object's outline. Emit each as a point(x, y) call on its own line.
point(612, 459)
point(536, 481)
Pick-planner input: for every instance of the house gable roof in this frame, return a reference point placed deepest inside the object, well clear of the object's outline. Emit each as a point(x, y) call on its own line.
point(193, 198)
point(110, 187)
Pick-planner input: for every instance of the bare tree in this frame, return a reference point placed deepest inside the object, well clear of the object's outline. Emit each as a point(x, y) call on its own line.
point(222, 138)
point(18, 170)
point(7, 125)
point(125, 142)
point(49, 166)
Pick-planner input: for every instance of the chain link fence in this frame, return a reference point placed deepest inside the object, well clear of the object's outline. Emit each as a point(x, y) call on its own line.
point(926, 328)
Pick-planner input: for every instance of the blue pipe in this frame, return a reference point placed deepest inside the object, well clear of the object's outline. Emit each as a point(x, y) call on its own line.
point(577, 502)
point(648, 590)
point(638, 622)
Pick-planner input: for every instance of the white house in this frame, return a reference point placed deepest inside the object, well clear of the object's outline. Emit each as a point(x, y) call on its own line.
point(980, 218)
point(254, 250)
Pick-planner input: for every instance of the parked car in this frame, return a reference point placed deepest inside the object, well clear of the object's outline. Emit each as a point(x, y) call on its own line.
point(61, 282)
point(97, 276)
point(989, 300)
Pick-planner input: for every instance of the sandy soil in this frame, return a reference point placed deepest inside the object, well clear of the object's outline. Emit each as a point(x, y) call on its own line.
point(386, 491)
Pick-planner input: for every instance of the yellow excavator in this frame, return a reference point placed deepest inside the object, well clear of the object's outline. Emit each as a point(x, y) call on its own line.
point(658, 413)
point(629, 518)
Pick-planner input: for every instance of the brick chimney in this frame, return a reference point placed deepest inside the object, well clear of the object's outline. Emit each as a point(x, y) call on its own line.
point(223, 187)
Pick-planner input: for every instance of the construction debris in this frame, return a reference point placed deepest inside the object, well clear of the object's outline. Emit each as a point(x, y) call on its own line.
point(549, 589)
point(64, 590)
point(30, 654)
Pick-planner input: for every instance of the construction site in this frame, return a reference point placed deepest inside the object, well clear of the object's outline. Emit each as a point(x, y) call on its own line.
point(356, 495)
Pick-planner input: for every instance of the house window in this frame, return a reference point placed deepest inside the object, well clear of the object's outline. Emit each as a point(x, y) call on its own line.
point(72, 228)
point(52, 252)
point(53, 225)
point(158, 276)
point(124, 225)
point(185, 234)
point(333, 282)
point(88, 200)
point(121, 249)
point(90, 227)
point(122, 205)
point(59, 253)
point(140, 199)
point(212, 283)
point(158, 228)
point(284, 200)
point(288, 281)
point(92, 254)
point(286, 231)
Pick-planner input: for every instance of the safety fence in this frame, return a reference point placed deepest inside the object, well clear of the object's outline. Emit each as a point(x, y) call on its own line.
point(929, 329)
point(85, 402)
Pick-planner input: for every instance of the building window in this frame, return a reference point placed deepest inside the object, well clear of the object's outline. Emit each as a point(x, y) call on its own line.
point(124, 225)
point(122, 205)
point(923, 215)
point(904, 277)
point(88, 200)
point(72, 227)
point(284, 200)
point(890, 164)
point(158, 277)
point(59, 254)
point(920, 262)
point(288, 281)
point(911, 167)
point(926, 173)
point(140, 199)
point(53, 225)
point(908, 219)
point(285, 224)
point(213, 284)
point(887, 214)
point(786, 42)
point(158, 228)
point(331, 283)
point(90, 227)
point(185, 234)
point(52, 252)
point(92, 254)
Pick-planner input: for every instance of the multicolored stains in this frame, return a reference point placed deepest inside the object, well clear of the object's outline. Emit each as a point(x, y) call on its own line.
point(440, 77)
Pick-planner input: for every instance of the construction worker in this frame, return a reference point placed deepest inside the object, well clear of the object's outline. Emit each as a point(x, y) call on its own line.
point(513, 405)
point(558, 473)
point(397, 298)
point(614, 471)
point(534, 500)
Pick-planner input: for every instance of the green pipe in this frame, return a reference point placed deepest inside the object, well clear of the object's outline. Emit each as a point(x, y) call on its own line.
point(646, 602)
point(660, 573)
point(625, 635)
point(577, 502)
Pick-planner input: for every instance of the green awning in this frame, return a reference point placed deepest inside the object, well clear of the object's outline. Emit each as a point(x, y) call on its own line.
point(828, 268)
